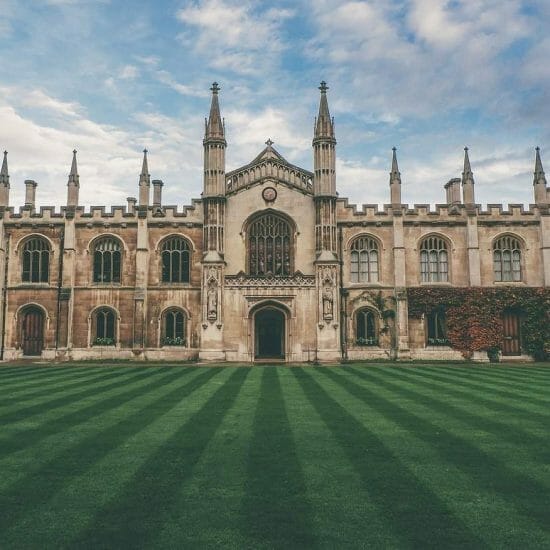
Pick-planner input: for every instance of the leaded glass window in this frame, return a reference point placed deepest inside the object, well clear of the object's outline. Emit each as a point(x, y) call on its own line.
point(175, 260)
point(36, 261)
point(105, 323)
point(434, 263)
point(174, 328)
point(270, 242)
point(507, 259)
point(364, 260)
point(366, 334)
point(107, 260)
point(437, 328)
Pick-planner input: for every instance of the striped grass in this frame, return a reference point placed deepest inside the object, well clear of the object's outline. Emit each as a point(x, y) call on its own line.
point(271, 457)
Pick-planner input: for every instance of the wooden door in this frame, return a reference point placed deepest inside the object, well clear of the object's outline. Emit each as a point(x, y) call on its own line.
point(33, 332)
point(511, 344)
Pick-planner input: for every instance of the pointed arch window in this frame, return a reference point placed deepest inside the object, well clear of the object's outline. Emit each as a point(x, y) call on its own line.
point(176, 256)
point(434, 260)
point(365, 328)
point(36, 261)
point(364, 260)
point(507, 259)
point(104, 327)
point(436, 328)
point(173, 328)
point(107, 260)
point(270, 246)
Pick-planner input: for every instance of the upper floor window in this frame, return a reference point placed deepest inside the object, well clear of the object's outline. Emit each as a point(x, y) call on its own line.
point(36, 261)
point(507, 259)
point(175, 260)
point(107, 260)
point(270, 246)
point(364, 260)
point(436, 328)
point(434, 262)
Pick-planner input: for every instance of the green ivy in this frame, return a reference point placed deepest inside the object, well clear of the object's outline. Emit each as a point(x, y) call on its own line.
point(474, 315)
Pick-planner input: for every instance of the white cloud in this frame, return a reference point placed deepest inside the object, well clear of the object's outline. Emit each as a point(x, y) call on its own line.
point(128, 72)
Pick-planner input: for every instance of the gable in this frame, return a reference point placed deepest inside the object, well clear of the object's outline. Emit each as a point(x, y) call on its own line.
point(269, 165)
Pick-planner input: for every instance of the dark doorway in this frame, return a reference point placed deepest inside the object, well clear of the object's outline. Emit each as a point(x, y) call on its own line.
point(269, 330)
point(33, 332)
point(511, 341)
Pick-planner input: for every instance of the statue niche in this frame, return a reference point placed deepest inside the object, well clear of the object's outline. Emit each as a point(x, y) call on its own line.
point(270, 246)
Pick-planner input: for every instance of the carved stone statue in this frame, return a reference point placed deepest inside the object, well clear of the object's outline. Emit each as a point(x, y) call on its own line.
point(327, 303)
point(212, 301)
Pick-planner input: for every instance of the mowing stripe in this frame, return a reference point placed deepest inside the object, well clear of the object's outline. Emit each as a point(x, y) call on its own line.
point(51, 388)
point(467, 413)
point(100, 384)
point(156, 484)
point(55, 424)
point(343, 514)
point(525, 379)
point(274, 504)
point(521, 491)
point(512, 391)
point(34, 377)
point(477, 395)
point(392, 491)
point(38, 488)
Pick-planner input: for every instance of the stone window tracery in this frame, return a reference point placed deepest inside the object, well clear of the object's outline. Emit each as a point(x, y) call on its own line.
point(107, 261)
point(364, 260)
point(173, 328)
point(507, 259)
point(176, 255)
point(365, 328)
point(105, 325)
point(270, 246)
point(436, 328)
point(434, 260)
point(36, 261)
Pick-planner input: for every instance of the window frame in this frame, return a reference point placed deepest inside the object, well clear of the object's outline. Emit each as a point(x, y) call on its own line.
point(513, 246)
point(40, 267)
point(366, 320)
point(186, 250)
point(169, 315)
point(364, 260)
point(115, 256)
point(436, 328)
point(434, 260)
point(102, 333)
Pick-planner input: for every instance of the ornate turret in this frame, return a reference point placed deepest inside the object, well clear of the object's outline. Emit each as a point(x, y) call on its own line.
point(395, 180)
point(144, 182)
point(214, 149)
point(539, 181)
point(4, 182)
point(73, 185)
point(467, 181)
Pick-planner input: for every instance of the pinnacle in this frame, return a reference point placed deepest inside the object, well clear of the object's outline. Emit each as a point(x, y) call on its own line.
point(214, 125)
point(324, 126)
point(4, 175)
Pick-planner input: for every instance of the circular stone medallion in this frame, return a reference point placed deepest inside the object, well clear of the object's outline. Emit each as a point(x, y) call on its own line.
point(269, 194)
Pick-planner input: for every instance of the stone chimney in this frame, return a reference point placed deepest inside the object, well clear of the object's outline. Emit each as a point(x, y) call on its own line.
point(131, 205)
point(452, 188)
point(30, 194)
point(157, 192)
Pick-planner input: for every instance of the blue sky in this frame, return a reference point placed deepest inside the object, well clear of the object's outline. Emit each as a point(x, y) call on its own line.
point(428, 76)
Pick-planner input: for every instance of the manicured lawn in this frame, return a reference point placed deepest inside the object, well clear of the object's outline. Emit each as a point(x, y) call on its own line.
point(274, 457)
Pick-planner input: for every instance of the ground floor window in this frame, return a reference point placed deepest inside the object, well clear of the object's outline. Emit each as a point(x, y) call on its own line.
point(437, 329)
point(104, 325)
point(365, 328)
point(174, 328)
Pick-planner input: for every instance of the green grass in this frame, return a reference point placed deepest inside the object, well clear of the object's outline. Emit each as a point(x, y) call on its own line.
point(275, 457)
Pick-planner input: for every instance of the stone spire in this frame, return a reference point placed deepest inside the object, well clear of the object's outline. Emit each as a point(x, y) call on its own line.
point(73, 184)
point(214, 125)
point(395, 180)
point(144, 181)
point(539, 181)
point(4, 182)
point(324, 125)
point(4, 175)
point(467, 180)
point(214, 149)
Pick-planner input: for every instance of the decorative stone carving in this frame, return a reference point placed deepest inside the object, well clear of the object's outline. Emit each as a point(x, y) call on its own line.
point(327, 283)
point(244, 281)
point(212, 294)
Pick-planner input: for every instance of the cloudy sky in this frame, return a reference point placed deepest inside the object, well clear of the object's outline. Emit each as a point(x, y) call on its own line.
point(428, 76)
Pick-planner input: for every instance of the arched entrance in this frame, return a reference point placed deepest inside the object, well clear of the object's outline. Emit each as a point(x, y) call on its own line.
point(32, 331)
point(269, 334)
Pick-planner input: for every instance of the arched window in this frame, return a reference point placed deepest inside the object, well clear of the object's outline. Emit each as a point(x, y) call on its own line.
point(507, 259)
point(270, 246)
point(436, 328)
point(173, 328)
point(107, 260)
point(36, 261)
point(175, 260)
point(364, 260)
point(104, 327)
point(365, 328)
point(434, 262)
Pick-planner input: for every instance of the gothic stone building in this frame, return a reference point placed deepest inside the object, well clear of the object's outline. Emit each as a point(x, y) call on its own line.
point(269, 264)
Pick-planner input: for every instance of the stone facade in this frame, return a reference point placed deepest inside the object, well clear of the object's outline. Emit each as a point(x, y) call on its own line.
point(269, 264)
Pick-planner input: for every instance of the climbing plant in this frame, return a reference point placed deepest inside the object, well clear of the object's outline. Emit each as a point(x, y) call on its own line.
point(474, 315)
